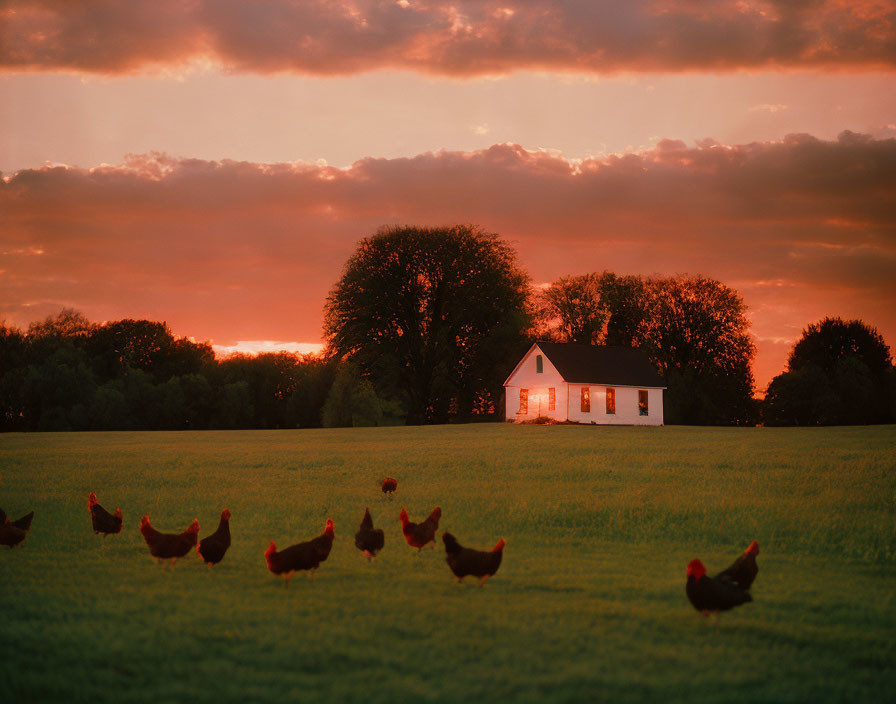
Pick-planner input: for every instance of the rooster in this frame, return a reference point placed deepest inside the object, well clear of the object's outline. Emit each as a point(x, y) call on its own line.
point(743, 570)
point(169, 546)
point(368, 539)
point(466, 561)
point(212, 548)
point(104, 523)
point(710, 595)
point(10, 534)
point(388, 486)
point(24, 523)
point(303, 556)
point(418, 535)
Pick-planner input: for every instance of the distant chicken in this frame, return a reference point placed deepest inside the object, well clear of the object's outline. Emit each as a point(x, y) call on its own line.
point(466, 561)
point(743, 570)
point(212, 548)
point(169, 546)
point(10, 535)
point(104, 523)
point(388, 486)
point(303, 556)
point(710, 595)
point(368, 539)
point(418, 535)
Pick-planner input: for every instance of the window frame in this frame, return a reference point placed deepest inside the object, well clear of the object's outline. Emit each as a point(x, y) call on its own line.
point(552, 399)
point(586, 399)
point(524, 401)
point(539, 364)
point(611, 401)
point(643, 405)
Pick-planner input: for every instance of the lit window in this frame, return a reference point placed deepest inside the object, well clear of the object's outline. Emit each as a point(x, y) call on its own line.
point(586, 400)
point(642, 402)
point(524, 401)
point(539, 364)
point(611, 402)
point(552, 400)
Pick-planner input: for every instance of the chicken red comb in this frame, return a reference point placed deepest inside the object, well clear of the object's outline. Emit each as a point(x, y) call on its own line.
point(696, 568)
point(753, 548)
point(225, 514)
point(91, 500)
point(118, 513)
point(330, 527)
point(500, 545)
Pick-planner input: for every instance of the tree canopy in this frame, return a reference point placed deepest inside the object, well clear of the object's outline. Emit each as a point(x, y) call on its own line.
point(434, 315)
point(838, 373)
point(694, 329)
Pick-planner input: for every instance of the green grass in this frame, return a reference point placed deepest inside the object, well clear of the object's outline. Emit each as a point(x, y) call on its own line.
point(588, 605)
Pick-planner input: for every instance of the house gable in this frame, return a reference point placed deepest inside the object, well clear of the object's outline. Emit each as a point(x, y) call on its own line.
point(526, 374)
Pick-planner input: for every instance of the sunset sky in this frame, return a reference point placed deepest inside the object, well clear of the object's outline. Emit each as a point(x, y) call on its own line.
point(213, 164)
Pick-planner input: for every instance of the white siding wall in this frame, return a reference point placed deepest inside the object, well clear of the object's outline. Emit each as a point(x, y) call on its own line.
point(626, 406)
point(526, 376)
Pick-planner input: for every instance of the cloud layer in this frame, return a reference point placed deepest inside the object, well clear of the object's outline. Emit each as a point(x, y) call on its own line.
point(240, 251)
point(463, 38)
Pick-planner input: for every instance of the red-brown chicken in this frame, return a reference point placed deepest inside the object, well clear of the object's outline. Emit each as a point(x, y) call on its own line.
point(10, 535)
point(418, 535)
point(104, 523)
point(389, 486)
point(24, 523)
point(169, 546)
point(744, 569)
point(710, 595)
point(303, 556)
point(368, 539)
point(466, 561)
point(212, 548)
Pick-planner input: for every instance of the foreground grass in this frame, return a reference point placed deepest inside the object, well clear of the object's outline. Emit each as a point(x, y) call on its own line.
point(589, 604)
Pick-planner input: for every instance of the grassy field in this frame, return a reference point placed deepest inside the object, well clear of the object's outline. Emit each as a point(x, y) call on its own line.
point(588, 605)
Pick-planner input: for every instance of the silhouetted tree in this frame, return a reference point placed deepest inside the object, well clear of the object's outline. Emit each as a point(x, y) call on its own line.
point(593, 309)
point(626, 302)
point(571, 310)
point(697, 335)
point(422, 309)
point(838, 373)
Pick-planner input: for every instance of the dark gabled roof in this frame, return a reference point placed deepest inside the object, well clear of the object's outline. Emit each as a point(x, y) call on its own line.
point(602, 364)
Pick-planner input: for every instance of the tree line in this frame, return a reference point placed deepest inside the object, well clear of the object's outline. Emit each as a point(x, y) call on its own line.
point(423, 326)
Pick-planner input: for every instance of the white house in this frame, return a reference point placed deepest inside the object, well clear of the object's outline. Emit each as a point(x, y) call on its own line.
point(585, 384)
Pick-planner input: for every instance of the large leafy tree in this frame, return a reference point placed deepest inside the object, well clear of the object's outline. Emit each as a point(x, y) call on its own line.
point(432, 315)
point(697, 334)
point(593, 309)
point(838, 373)
point(571, 310)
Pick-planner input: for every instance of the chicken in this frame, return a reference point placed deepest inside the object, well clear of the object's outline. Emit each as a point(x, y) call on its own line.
point(466, 561)
point(743, 570)
point(169, 546)
point(710, 595)
point(212, 548)
point(368, 539)
point(303, 556)
point(104, 523)
point(24, 523)
point(388, 486)
point(418, 535)
point(11, 535)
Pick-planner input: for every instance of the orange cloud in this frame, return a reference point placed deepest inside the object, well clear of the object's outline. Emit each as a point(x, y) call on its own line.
point(231, 251)
point(463, 38)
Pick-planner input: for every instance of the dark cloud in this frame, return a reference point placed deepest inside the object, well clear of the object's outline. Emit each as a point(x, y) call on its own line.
point(462, 38)
point(233, 250)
